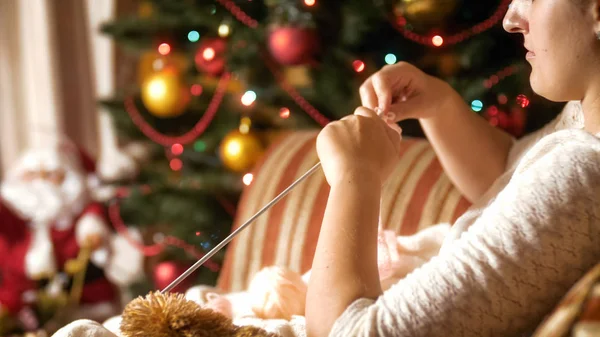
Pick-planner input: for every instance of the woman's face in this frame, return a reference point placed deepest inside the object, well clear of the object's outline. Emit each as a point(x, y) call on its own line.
point(563, 49)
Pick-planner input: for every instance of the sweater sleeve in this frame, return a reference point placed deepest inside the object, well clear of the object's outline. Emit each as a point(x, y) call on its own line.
point(517, 260)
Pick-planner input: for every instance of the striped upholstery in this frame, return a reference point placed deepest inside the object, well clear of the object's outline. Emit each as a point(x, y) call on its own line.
point(417, 195)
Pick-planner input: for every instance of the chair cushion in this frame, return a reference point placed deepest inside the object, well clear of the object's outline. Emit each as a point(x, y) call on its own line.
point(417, 195)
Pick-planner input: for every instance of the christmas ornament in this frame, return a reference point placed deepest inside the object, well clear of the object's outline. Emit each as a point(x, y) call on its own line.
point(240, 151)
point(146, 9)
point(425, 12)
point(293, 45)
point(152, 62)
point(210, 56)
point(165, 272)
point(164, 94)
point(298, 76)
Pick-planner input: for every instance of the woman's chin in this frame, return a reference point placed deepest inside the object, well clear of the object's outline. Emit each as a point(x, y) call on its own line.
point(542, 89)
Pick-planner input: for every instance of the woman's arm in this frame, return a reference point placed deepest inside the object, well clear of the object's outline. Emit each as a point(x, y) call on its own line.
point(357, 154)
point(461, 139)
point(503, 275)
point(345, 267)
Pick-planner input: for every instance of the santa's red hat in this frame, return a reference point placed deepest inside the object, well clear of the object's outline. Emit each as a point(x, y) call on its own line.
point(78, 155)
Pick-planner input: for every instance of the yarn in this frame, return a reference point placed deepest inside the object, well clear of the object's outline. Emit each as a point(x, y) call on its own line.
point(277, 293)
point(219, 304)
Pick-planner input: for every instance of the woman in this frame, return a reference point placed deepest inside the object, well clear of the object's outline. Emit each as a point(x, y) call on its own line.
point(534, 228)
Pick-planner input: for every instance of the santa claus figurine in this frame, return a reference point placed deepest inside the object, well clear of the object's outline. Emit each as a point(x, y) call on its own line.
point(48, 217)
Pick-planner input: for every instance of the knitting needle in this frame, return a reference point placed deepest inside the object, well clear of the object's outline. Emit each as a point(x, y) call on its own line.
point(220, 246)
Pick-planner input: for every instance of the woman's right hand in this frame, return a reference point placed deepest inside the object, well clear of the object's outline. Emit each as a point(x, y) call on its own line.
point(402, 91)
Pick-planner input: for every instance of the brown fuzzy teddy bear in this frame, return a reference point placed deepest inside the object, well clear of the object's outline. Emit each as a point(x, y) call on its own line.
point(171, 315)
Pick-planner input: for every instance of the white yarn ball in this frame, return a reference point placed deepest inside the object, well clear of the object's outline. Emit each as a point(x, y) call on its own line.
point(277, 293)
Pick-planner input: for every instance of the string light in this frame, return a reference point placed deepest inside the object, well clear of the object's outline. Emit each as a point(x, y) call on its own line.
point(158, 64)
point(437, 41)
point(198, 233)
point(523, 101)
point(248, 98)
point(200, 146)
point(247, 179)
point(164, 49)
point(477, 105)
point(502, 99)
point(208, 54)
point(196, 90)
point(390, 58)
point(193, 36)
point(358, 66)
point(245, 124)
point(284, 113)
point(177, 149)
point(309, 3)
point(176, 164)
point(223, 30)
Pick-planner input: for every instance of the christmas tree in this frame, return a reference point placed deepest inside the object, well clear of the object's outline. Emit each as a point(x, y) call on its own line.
point(217, 80)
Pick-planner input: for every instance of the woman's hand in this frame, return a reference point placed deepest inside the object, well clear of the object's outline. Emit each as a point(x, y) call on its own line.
point(358, 144)
point(402, 91)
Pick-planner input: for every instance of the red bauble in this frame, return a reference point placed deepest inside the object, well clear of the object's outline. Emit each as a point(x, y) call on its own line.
point(293, 45)
point(166, 272)
point(210, 56)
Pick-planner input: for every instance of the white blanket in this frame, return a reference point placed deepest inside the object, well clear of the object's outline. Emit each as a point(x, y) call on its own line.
point(397, 255)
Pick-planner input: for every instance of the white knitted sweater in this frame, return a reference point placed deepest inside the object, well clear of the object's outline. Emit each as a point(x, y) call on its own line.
point(512, 256)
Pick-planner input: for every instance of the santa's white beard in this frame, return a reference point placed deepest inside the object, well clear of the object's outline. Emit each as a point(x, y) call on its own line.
point(43, 202)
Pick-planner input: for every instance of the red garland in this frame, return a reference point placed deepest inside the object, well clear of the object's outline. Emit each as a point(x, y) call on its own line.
point(114, 212)
point(312, 111)
point(239, 14)
point(188, 137)
point(301, 101)
point(459, 37)
point(500, 75)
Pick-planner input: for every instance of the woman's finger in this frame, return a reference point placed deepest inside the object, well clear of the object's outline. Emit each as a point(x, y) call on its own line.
point(384, 92)
point(367, 94)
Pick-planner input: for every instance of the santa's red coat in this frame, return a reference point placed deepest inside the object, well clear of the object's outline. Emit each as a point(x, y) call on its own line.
point(15, 238)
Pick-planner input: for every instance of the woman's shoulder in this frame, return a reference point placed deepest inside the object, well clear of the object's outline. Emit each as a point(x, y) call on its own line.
point(566, 149)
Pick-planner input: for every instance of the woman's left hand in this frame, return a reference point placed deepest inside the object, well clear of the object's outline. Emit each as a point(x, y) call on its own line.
point(358, 144)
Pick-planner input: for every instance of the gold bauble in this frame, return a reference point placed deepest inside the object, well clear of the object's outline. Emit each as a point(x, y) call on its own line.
point(298, 76)
point(425, 12)
point(449, 64)
point(240, 151)
point(164, 94)
point(146, 9)
point(152, 62)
